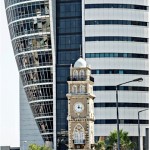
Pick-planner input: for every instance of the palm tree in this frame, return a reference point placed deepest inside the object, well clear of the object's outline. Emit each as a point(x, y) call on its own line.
point(125, 142)
point(100, 145)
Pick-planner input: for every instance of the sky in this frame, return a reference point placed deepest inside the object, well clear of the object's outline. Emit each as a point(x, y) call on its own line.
point(9, 87)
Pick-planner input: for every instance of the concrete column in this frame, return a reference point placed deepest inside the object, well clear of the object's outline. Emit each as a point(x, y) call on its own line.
point(141, 142)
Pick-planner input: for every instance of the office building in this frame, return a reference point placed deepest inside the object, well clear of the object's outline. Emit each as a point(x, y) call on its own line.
point(46, 37)
point(115, 38)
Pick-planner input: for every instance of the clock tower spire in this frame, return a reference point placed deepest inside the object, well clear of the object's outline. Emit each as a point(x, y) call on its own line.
point(80, 107)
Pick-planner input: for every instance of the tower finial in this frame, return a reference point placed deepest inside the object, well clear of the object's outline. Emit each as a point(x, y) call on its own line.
point(80, 51)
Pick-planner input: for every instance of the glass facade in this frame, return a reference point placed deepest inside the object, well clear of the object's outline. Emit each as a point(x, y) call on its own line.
point(25, 10)
point(116, 38)
point(69, 39)
point(121, 121)
point(121, 55)
point(34, 42)
point(29, 25)
point(38, 75)
point(123, 6)
point(145, 105)
point(122, 88)
point(120, 71)
point(116, 22)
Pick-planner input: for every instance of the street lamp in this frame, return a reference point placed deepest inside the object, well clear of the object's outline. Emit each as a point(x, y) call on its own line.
point(139, 145)
point(117, 87)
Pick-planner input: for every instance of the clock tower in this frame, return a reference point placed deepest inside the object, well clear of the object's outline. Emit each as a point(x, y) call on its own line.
point(80, 107)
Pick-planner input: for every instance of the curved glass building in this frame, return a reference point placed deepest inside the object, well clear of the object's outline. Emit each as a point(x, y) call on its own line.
point(46, 37)
point(32, 38)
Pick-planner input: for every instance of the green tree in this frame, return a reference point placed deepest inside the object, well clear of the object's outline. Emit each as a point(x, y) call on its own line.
point(38, 147)
point(125, 142)
point(100, 145)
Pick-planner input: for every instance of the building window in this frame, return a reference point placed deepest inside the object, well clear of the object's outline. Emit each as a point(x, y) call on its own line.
point(27, 10)
point(74, 89)
point(75, 74)
point(122, 88)
point(121, 121)
point(116, 38)
point(82, 89)
point(123, 6)
point(82, 73)
point(145, 105)
point(116, 55)
point(78, 134)
point(115, 22)
point(116, 71)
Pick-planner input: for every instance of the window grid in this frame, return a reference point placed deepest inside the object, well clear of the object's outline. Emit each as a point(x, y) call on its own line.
point(35, 59)
point(123, 6)
point(116, 38)
point(122, 88)
point(124, 55)
point(115, 22)
point(121, 121)
point(11, 2)
point(48, 137)
point(42, 108)
point(31, 43)
point(29, 26)
point(120, 71)
point(145, 105)
point(45, 125)
point(26, 10)
point(39, 92)
point(33, 76)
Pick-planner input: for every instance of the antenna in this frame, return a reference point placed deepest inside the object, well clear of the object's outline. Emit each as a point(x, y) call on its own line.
point(80, 51)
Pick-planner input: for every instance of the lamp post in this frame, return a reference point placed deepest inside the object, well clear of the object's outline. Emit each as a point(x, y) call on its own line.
point(117, 87)
point(139, 145)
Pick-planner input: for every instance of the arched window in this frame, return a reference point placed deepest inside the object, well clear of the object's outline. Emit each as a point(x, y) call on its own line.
point(82, 88)
point(75, 74)
point(78, 134)
point(74, 89)
point(82, 73)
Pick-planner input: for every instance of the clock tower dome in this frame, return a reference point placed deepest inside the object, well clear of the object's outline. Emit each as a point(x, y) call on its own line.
point(80, 107)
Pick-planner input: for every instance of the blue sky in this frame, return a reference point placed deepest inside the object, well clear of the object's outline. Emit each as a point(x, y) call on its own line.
point(9, 87)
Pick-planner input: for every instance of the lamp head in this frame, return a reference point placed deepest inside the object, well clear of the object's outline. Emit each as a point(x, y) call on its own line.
point(138, 79)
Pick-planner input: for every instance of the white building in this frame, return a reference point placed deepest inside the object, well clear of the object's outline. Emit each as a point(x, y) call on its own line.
point(115, 39)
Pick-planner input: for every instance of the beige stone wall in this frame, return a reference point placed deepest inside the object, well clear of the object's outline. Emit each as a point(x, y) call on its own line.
point(73, 113)
point(84, 118)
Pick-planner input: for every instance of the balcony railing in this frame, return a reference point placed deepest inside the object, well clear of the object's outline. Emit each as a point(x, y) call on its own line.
point(80, 78)
point(78, 142)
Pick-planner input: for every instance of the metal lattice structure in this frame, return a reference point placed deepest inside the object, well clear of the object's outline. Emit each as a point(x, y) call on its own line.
point(30, 32)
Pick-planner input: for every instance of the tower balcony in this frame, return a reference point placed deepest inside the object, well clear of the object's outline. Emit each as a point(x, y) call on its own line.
point(80, 78)
point(79, 141)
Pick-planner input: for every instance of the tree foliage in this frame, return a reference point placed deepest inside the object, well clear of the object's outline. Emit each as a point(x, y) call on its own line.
point(125, 142)
point(110, 143)
point(38, 147)
point(100, 145)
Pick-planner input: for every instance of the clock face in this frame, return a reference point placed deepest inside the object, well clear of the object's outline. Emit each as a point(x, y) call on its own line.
point(78, 107)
